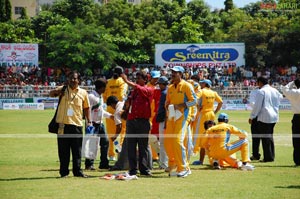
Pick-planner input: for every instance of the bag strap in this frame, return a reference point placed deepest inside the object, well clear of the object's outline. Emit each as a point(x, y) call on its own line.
point(62, 90)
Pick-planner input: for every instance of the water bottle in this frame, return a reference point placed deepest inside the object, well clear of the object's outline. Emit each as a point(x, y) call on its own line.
point(90, 130)
point(118, 147)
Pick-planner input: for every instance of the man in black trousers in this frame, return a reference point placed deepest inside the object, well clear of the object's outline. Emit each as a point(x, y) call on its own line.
point(292, 92)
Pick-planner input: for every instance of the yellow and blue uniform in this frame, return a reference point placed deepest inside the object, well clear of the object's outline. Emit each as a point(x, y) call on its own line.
point(193, 117)
point(206, 104)
point(118, 88)
point(176, 129)
point(217, 142)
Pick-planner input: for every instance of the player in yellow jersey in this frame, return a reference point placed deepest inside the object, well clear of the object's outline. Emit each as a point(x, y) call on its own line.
point(207, 112)
point(180, 96)
point(219, 146)
point(118, 88)
point(194, 115)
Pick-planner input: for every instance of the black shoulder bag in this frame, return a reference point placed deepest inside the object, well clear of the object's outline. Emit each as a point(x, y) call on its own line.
point(53, 125)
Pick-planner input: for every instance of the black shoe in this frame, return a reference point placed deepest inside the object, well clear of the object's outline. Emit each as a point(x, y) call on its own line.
point(104, 167)
point(146, 173)
point(81, 175)
point(216, 166)
point(254, 158)
point(266, 160)
point(91, 168)
point(114, 169)
point(131, 173)
point(64, 176)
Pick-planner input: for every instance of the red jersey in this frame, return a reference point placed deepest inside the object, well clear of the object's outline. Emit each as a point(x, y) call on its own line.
point(140, 106)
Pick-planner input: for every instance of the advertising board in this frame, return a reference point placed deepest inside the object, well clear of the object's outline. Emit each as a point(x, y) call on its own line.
point(200, 55)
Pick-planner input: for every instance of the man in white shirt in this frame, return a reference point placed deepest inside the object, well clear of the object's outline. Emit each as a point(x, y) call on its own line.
point(266, 109)
point(292, 92)
point(254, 128)
point(97, 114)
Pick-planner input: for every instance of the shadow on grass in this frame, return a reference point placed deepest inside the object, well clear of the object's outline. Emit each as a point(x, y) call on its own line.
point(40, 178)
point(32, 178)
point(49, 170)
point(288, 187)
point(275, 166)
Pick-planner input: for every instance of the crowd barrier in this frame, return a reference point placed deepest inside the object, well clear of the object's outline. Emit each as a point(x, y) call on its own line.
point(28, 91)
point(234, 98)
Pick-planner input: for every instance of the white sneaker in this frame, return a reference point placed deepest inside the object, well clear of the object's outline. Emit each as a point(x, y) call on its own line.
point(189, 172)
point(183, 174)
point(239, 164)
point(247, 167)
point(112, 158)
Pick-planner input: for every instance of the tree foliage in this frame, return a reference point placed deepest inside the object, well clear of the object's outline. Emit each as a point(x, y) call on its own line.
point(5, 10)
point(80, 45)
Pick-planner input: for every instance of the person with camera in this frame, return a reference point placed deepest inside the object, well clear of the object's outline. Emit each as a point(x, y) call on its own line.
point(69, 116)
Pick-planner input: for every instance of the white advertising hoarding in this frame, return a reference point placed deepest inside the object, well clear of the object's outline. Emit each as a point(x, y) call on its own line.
point(200, 55)
point(23, 106)
point(19, 54)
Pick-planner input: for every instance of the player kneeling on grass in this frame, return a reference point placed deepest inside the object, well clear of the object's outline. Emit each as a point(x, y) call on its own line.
point(218, 145)
point(229, 161)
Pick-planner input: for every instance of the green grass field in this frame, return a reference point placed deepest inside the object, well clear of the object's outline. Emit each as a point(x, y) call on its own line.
point(29, 168)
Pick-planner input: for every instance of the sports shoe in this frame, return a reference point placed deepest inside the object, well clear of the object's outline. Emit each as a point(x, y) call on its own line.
point(183, 174)
point(189, 171)
point(112, 158)
point(247, 167)
point(197, 162)
point(216, 166)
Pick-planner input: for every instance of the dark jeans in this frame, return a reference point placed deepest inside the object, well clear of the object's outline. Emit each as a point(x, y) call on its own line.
point(296, 138)
point(137, 132)
point(255, 139)
point(71, 140)
point(266, 131)
point(99, 130)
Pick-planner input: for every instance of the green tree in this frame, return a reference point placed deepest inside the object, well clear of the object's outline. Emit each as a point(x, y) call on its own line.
point(40, 24)
point(186, 31)
point(5, 10)
point(72, 9)
point(81, 46)
point(18, 31)
point(201, 15)
point(228, 5)
point(181, 3)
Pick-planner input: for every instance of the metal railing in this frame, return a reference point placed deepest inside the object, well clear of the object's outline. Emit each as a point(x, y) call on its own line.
point(31, 91)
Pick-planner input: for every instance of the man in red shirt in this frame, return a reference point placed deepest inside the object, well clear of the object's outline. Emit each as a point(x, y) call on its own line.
point(138, 124)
